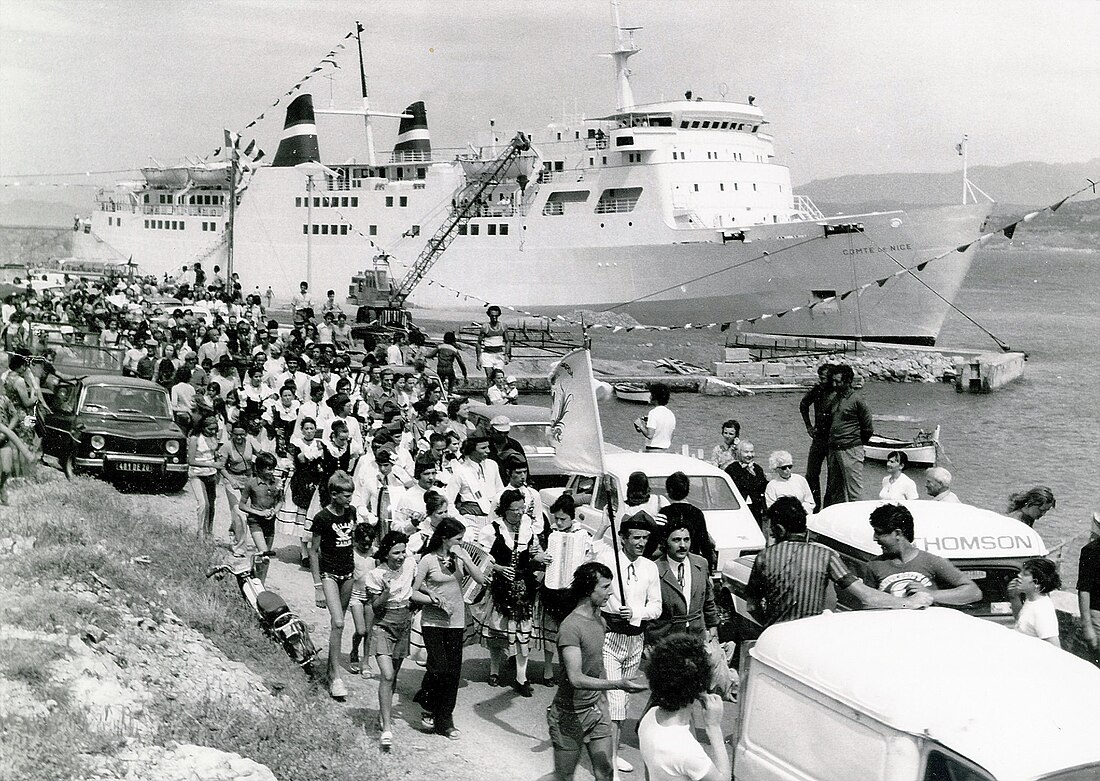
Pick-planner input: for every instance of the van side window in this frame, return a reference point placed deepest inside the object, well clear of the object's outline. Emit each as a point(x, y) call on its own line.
point(583, 490)
point(943, 767)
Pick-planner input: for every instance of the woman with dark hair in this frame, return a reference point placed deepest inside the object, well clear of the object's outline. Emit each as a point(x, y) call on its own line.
point(336, 456)
point(1030, 506)
point(21, 388)
point(1031, 602)
point(439, 575)
point(638, 496)
point(679, 673)
point(305, 453)
point(167, 366)
point(506, 627)
point(554, 604)
point(897, 487)
point(458, 410)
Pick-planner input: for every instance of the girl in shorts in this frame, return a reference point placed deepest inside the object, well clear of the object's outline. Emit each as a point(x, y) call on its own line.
point(362, 545)
point(333, 564)
point(390, 585)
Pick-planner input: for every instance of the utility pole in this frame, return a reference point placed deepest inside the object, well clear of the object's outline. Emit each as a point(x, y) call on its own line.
point(962, 151)
point(231, 146)
point(309, 232)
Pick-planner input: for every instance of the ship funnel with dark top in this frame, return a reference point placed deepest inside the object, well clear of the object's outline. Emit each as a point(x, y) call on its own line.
point(299, 142)
point(413, 141)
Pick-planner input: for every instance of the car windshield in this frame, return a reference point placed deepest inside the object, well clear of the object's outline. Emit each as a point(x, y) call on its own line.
point(993, 581)
point(122, 400)
point(707, 492)
point(532, 435)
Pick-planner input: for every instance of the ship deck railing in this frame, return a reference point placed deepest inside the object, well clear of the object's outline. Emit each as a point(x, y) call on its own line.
point(186, 211)
point(805, 206)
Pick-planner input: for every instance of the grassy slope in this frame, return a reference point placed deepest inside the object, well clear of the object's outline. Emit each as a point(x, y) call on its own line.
point(85, 527)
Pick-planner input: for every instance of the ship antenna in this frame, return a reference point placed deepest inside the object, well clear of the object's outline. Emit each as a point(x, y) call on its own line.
point(366, 99)
point(624, 49)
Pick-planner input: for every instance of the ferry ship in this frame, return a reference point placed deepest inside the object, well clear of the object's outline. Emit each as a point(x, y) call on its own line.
point(673, 212)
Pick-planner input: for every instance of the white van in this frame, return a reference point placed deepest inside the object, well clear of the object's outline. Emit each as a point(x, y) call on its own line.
point(914, 695)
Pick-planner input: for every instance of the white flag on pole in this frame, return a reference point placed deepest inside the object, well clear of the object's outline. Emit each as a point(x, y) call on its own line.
point(575, 429)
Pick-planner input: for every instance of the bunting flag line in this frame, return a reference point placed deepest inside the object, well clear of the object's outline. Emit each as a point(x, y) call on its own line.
point(1007, 231)
point(328, 59)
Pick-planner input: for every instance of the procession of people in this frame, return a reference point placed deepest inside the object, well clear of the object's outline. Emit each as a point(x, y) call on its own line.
point(422, 526)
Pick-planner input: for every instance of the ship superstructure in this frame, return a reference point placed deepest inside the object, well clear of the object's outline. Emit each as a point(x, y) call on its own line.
point(674, 212)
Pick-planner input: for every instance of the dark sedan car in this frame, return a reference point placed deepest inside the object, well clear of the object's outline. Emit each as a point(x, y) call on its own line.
point(114, 427)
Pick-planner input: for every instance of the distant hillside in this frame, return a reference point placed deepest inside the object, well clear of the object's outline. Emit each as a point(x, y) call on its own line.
point(1034, 184)
point(42, 213)
point(32, 245)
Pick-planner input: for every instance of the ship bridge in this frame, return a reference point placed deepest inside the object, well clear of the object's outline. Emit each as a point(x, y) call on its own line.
point(689, 115)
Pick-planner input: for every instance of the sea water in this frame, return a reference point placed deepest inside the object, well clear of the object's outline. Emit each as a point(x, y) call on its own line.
point(1041, 430)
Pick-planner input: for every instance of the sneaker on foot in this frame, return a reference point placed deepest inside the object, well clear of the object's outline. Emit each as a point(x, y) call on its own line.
point(451, 733)
point(623, 766)
point(386, 740)
point(353, 663)
point(427, 721)
point(338, 688)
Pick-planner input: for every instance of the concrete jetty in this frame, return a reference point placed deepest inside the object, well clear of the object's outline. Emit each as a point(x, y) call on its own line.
point(987, 372)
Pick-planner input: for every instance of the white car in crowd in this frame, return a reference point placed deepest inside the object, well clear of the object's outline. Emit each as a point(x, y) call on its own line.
point(730, 522)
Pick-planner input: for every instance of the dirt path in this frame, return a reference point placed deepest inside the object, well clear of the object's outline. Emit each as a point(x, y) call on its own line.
point(504, 736)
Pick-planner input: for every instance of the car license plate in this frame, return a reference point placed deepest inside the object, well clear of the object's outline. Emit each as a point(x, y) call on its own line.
point(130, 466)
point(1000, 608)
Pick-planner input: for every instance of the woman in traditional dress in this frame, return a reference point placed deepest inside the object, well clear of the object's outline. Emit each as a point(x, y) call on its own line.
point(506, 627)
point(554, 604)
point(305, 454)
point(336, 456)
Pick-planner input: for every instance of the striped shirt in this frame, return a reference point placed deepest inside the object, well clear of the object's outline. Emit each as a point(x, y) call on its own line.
point(790, 579)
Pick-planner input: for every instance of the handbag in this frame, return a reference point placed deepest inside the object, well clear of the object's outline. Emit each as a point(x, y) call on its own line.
point(724, 680)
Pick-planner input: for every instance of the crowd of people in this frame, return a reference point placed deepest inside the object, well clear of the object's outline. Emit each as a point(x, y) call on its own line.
point(422, 525)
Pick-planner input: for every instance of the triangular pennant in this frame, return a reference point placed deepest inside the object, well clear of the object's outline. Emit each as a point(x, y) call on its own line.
point(1058, 205)
point(882, 282)
point(780, 314)
point(845, 295)
point(921, 266)
point(726, 326)
point(749, 320)
point(1010, 230)
point(248, 149)
point(963, 248)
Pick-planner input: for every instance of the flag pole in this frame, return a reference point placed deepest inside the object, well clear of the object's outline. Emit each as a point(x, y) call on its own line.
point(614, 539)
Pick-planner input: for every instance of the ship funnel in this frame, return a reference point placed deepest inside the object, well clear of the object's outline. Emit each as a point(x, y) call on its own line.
point(413, 141)
point(299, 142)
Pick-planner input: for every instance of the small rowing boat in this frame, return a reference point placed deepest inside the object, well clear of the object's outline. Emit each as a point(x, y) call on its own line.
point(632, 392)
point(921, 448)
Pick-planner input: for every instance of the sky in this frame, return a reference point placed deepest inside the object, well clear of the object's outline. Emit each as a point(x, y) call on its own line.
point(849, 87)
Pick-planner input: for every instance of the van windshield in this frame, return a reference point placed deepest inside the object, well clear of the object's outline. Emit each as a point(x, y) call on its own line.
point(993, 580)
point(707, 492)
point(532, 436)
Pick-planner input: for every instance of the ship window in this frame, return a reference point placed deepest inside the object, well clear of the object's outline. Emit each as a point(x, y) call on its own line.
point(344, 201)
point(110, 220)
point(705, 124)
point(618, 200)
point(355, 202)
point(326, 202)
point(414, 231)
point(305, 228)
point(160, 224)
point(559, 165)
point(373, 230)
point(147, 223)
point(343, 230)
point(754, 186)
point(403, 201)
point(504, 229)
point(624, 141)
point(695, 187)
point(559, 136)
point(591, 161)
point(316, 203)
point(324, 230)
point(298, 203)
point(316, 229)
point(555, 203)
point(755, 128)
point(577, 135)
point(722, 187)
point(695, 124)
point(421, 173)
point(605, 160)
point(389, 200)
point(684, 125)
point(462, 231)
point(474, 229)
point(491, 229)
point(146, 199)
point(735, 187)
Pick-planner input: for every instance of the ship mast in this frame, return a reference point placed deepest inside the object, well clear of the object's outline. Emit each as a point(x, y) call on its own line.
point(624, 49)
point(366, 99)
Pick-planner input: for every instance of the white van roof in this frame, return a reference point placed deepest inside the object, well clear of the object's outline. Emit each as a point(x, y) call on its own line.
point(1015, 705)
point(623, 462)
point(950, 530)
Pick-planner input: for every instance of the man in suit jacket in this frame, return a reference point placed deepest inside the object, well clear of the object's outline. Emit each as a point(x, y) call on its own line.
point(749, 478)
point(687, 594)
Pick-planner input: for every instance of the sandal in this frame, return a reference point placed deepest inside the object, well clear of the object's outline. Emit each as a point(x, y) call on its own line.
point(353, 663)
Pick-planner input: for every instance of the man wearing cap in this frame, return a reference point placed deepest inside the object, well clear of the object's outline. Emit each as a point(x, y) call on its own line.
point(493, 343)
point(375, 490)
point(409, 510)
point(640, 582)
point(502, 447)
